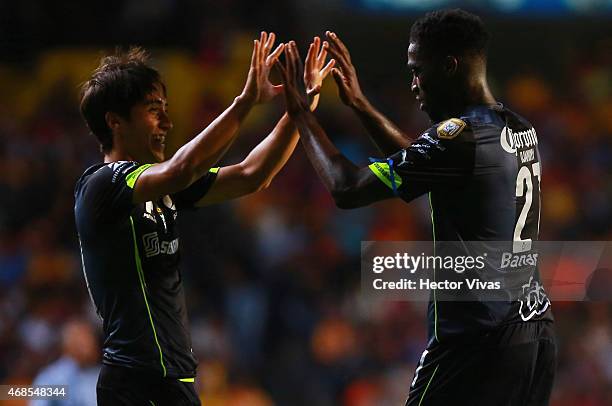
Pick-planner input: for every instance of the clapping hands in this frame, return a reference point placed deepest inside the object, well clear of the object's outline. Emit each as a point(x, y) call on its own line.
point(302, 86)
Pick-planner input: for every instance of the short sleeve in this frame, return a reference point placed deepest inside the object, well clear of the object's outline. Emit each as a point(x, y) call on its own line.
point(108, 191)
point(442, 156)
point(187, 198)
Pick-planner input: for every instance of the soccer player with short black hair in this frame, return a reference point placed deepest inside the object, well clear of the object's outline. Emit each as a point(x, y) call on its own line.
point(480, 165)
point(126, 210)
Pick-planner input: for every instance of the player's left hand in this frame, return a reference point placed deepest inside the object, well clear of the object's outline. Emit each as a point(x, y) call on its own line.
point(345, 75)
point(296, 97)
point(258, 88)
point(315, 70)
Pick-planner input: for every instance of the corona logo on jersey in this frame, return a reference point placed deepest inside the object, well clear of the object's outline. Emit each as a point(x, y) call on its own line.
point(511, 141)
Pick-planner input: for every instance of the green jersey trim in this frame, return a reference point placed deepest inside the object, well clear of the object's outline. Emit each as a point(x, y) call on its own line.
point(143, 286)
point(383, 172)
point(433, 232)
point(131, 178)
point(427, 387)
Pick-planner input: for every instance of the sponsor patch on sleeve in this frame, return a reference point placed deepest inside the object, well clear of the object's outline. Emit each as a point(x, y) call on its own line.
point(450, 128)
point(382, 172)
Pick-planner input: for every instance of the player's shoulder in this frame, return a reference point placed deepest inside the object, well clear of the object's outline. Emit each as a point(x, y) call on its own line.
point(104, 173)
point(111, 170)
point(478, 124)
point(497, 116)
point(452, 128)
point(516, 121)
point(447, 131)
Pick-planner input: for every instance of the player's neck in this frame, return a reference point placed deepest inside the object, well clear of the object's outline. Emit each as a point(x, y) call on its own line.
point(116, 155)
point(476, 93)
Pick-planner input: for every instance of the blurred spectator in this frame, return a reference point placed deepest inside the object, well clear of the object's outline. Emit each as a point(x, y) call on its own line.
point(77, 368)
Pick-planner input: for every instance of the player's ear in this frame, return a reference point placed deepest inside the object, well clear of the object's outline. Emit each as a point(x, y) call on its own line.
point(450, 65)
point(113, 121)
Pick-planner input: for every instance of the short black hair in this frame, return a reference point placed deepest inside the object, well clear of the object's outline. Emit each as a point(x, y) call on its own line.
point(450, 31)
point(116, 85)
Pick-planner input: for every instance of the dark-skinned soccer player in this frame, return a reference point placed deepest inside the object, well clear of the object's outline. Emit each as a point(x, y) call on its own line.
point(480, 166)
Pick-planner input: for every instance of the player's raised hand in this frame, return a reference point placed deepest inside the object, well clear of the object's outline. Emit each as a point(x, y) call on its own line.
point(258, 88)
point(315, 70)
point(345, 74)
point(296, 97)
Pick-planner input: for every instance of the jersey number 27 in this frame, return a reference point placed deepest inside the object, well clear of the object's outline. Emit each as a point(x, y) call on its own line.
point(524, 187)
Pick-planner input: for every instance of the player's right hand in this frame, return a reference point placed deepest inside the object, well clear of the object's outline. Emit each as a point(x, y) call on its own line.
point(315, 70)
point(344, 74)
point(258, 88)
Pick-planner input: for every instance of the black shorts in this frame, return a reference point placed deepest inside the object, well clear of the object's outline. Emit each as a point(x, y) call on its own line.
point(511, 366)
point(120, 386)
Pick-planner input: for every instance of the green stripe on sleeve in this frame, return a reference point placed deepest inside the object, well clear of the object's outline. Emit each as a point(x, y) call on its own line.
point(130, 179)
point(382, 172)
point(214, 170)
point(187, 379)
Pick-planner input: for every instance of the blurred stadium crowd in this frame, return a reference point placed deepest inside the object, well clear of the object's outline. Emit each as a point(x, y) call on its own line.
point(272, 280)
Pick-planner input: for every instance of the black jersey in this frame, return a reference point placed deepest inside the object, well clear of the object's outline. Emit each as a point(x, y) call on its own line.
point(482, 172)
point(130, 255)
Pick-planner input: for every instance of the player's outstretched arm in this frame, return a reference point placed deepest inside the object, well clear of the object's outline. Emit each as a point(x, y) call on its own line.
point(195, 158)
point(349, 185)
point(386, 135)
point(263, 163)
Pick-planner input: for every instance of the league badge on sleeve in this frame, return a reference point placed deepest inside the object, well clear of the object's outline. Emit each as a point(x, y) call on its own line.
point(449, 129)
